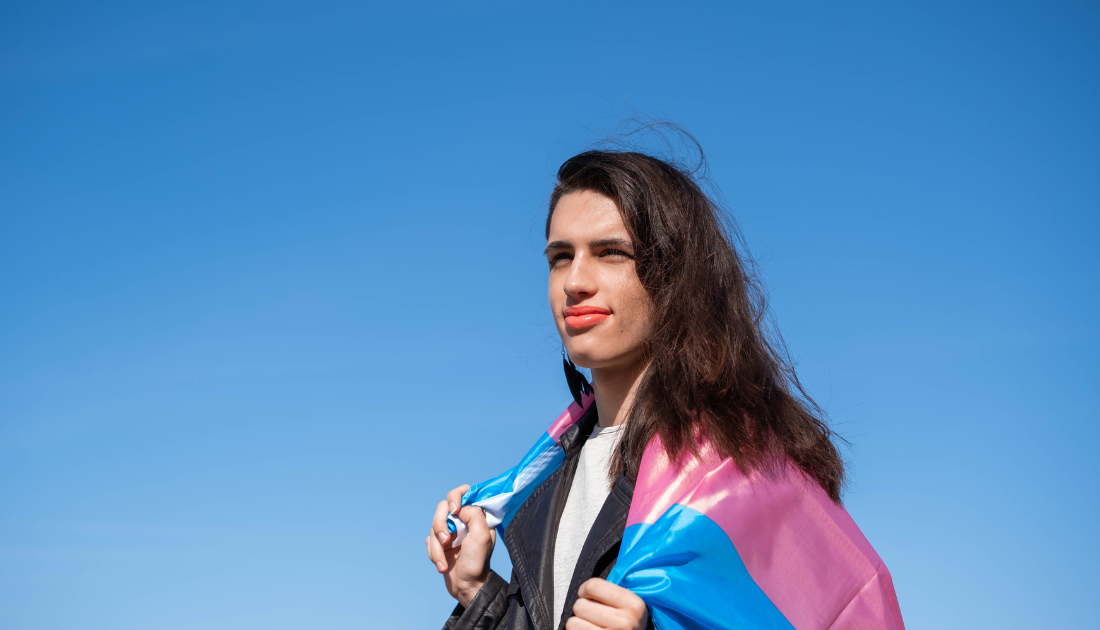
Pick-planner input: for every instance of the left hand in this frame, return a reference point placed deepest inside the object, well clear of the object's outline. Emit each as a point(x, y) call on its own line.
point(602, 605)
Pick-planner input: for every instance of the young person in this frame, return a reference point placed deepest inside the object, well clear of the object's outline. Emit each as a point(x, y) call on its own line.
point(692, 406)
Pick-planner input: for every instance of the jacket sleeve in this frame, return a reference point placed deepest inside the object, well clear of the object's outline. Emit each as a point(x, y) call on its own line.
point(487, 609)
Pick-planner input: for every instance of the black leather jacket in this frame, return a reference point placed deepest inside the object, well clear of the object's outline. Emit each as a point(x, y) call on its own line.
point(527, 602)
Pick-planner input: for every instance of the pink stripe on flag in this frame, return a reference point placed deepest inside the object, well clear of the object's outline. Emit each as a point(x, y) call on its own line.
point(568, 417)
point(804, 551)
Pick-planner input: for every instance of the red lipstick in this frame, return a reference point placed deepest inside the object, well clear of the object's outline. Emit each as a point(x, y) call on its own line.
point(584, 316)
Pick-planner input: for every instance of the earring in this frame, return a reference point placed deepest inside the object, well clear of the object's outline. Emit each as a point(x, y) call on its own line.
point(578, 384)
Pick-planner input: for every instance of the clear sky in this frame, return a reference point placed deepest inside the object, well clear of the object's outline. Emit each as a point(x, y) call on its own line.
point(271, 283)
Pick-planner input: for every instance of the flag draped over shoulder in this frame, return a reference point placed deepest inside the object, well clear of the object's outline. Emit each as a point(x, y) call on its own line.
point(502, 495)
point(708, 547)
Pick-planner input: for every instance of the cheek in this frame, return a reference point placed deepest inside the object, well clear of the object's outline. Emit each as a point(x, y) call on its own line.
point(556, 297)
point(634, 303)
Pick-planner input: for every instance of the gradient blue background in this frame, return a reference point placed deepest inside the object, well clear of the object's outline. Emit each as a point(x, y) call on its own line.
point(271, 283)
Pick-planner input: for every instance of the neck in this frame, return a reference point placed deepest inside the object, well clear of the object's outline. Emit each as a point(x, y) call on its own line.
point(614, 389)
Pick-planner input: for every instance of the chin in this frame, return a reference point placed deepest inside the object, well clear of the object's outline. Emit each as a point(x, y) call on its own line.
point(582, 357)
point(591, 355)
point(583, 361)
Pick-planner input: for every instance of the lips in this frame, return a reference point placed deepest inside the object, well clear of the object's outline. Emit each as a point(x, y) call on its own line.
point(584, 316)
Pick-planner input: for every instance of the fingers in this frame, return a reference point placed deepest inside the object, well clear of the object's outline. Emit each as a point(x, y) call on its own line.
point(605, 592)
point(600, 615)
point(440, 536)
point(439, 523)
point(608, 605)
point(576, 623)
point(454, 498)
point(435, 552)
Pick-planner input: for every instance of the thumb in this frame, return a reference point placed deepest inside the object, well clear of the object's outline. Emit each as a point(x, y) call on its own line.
point(474, 517)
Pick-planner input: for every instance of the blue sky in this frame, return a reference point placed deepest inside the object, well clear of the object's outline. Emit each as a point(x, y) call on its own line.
point(271, 284)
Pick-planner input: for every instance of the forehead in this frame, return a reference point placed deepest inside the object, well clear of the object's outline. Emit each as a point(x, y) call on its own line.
point(586, 215)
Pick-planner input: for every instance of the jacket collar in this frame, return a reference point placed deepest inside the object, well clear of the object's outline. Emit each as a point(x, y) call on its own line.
point(531, 534)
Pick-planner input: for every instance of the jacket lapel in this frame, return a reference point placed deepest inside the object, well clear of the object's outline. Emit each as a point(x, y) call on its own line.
point(531, 534)
point(601, 548)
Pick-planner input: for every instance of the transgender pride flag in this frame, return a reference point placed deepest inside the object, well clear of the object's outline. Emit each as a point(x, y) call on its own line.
point(502, 495)
point(708, 547)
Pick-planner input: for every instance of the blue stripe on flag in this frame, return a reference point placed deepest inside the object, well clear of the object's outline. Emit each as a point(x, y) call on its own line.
point(690, 575)
point(502, 495)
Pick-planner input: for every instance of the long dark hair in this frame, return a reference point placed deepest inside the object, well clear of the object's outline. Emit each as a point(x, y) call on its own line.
point(714, 363)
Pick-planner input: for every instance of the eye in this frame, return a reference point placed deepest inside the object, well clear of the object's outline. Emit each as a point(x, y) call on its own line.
point(557, 259)
point(611, 251)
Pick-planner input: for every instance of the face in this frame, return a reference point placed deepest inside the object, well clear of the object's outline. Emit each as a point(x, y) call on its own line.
point(599, 305)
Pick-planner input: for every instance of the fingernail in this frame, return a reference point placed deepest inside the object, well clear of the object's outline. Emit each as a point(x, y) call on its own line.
point(442, 567)
point(443, 537)
point(452, 506)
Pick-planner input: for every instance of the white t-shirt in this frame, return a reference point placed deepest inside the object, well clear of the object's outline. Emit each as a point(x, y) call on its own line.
point(586, 497)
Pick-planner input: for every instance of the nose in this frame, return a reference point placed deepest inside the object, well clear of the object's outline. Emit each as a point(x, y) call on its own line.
point(580, 282)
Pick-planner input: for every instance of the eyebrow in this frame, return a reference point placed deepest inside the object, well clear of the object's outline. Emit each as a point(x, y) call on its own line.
point(603, 242)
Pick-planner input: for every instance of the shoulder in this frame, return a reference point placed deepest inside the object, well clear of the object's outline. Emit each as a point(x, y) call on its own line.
point(802, 549)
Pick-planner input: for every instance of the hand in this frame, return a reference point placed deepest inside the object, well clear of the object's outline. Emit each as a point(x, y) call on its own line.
point(465, 568)
point(602, 605)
